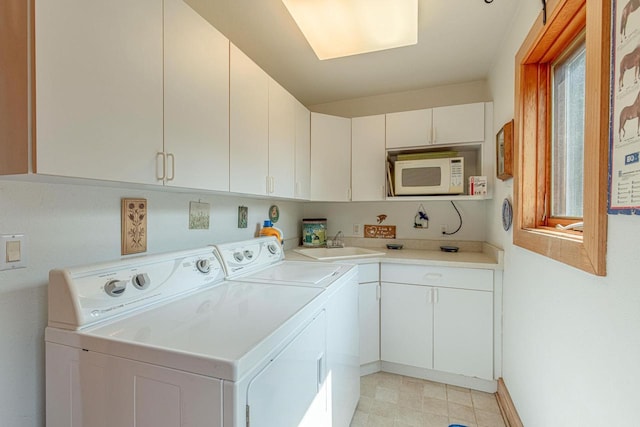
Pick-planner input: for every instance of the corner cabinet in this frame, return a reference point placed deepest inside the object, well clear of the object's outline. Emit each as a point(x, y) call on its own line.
point(330, 158)
point(368, 177)
point(99, 89)
point(438, 318)
point(302, 152)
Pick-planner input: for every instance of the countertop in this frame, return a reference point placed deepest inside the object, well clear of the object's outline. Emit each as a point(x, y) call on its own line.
point(489, 257)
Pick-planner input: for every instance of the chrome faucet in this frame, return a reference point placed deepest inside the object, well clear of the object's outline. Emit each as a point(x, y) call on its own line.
point(336, 242)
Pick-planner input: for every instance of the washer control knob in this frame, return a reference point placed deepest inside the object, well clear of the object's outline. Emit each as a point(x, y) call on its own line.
point(248, 254)
point(203, 265)
point(273, 248)
point(115, 288)
point(238, 256)
point(141, 281)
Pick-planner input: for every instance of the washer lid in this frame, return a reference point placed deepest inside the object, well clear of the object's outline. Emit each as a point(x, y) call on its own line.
point(221, 332)
point(300, 273)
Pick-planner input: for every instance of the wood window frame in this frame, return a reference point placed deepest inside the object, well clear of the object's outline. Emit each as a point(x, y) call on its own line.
point(544, 43)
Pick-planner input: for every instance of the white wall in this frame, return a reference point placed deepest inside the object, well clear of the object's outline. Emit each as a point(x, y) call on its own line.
point(437, 96)
point(571, 340)
point(70, 225)
point(342, 217)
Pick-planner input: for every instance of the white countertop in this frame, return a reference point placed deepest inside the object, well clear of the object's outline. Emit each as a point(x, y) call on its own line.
point(489, 258)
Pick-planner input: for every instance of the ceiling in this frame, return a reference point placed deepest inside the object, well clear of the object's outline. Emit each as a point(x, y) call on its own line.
point(457, 42)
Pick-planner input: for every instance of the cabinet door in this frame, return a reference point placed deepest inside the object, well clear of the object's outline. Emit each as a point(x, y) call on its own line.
point(249, 125)
point(368, 162)
point(303, 152)
point(330, 158)
point(463, 332)
point(458, 123)
point(406, 334)
point(196, 100)
point(408, 128)
point(369, 320)
point(99, 89)
point(282, 134)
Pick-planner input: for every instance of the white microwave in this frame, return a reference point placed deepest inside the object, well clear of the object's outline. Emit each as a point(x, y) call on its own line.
point(429, 176)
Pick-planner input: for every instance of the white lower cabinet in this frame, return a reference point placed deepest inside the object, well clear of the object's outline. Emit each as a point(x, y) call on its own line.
point(438, 318)
point(369, 313)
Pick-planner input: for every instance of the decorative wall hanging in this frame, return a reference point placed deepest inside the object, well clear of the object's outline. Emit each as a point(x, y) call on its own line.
point(380, 231)
point(199, 215)
point(624, 138)
point(134, 226)
point(243, 216)
point(274, 213)
point(504, 152)
point(421, 219)
point(507, 214)
point(381, 218)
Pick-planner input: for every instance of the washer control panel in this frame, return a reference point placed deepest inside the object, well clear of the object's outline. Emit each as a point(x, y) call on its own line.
point(84, 295)
point(250, 255)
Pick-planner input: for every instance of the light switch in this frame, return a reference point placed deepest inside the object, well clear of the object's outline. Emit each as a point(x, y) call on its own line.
point(13, 252)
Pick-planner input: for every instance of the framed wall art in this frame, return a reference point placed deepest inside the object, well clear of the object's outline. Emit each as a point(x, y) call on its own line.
point(504, 152)
point(134, 226)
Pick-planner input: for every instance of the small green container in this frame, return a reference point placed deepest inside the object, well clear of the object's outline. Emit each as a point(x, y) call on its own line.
point(314, 232)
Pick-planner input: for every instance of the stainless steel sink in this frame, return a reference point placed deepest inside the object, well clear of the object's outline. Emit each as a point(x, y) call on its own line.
point(338, 253)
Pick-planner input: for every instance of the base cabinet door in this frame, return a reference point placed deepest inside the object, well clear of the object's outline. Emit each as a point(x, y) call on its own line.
point(406, 334)
point(369, 319)
point(463, 332)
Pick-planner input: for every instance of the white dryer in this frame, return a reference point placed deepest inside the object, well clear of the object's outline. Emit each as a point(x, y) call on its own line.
point(262, 261)
point(165, 341)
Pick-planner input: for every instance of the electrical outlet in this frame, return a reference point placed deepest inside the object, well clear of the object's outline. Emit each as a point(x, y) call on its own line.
point(356, 229)
point(443, 228)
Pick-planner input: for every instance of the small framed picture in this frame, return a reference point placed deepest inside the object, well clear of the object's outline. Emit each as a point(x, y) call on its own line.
point(504, 152)
point(134, 226)
point(243, 216)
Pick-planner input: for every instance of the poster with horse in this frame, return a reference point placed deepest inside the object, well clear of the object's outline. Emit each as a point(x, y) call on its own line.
point(624, 147)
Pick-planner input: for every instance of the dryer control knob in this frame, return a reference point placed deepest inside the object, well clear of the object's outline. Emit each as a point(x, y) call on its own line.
point(248, 254)
point(238, 256)
point(203, 265)
point(141, 281)
point(273, 248)
point(115, 288)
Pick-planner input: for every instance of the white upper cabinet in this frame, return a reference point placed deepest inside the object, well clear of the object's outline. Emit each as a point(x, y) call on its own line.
point(408, 129)
point(303, 152)
point(249, 125)
point(99, 89)
point(368, 163)
point(458, 123)
point(440, 125)
point(282, 140)
point(330, 158)
point(196, 100)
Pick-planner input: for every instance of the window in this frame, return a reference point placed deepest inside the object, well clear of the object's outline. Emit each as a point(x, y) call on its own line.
point(561, 142)
point(567, 143)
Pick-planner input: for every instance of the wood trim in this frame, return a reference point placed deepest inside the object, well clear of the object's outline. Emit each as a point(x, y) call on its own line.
point(14, 87)
point(587, 251)
point(507, 407)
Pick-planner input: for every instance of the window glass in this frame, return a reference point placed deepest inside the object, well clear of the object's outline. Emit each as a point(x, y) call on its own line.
point(567, 144)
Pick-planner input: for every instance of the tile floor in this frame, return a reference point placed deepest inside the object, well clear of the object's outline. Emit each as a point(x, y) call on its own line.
point(398, 401)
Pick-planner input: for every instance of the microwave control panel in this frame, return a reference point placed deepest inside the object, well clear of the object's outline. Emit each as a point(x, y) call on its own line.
point(457, 176)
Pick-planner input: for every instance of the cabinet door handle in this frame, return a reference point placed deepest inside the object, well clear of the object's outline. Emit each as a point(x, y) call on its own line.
point(378, 292)
point(432, 276)
point(173, 166)
point(163, 166)
point(349, 193)
point(436, 296)
point(434, 134)
point(268, 185)
point(320, 371)
point(430, 296)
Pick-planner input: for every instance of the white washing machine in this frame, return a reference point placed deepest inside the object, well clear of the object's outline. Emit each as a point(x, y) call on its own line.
point(262, 261)
point(165, 341)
